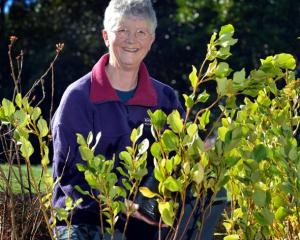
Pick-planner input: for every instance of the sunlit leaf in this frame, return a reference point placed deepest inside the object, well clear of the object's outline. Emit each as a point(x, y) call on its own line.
point(26, 148)
point(166, 212)
point(175, 122)
point(285, 60)
point(43, 127)
point(148, 193)
point(193, 77)
point(172, 184)
point(86, 153)
point(8, 107)
point(143, 146)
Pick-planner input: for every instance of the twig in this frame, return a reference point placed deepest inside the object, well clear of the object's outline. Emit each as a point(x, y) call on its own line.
point(59, 48)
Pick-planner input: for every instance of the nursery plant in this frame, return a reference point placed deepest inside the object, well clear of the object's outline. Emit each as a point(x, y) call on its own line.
point(21, 123)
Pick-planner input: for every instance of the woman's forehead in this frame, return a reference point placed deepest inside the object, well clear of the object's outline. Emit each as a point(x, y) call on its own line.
point(133, 21)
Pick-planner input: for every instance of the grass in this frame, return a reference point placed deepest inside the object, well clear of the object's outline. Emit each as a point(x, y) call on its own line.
point(15, 176)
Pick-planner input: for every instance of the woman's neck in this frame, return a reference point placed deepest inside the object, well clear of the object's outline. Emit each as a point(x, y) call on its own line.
point(121, 79)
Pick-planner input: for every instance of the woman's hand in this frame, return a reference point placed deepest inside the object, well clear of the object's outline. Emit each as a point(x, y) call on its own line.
point(138, 215)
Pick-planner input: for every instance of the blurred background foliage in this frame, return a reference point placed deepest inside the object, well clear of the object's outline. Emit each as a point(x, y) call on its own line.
point(263, 28)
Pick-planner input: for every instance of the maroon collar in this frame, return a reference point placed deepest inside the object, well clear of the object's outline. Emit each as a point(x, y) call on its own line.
point(102, 91)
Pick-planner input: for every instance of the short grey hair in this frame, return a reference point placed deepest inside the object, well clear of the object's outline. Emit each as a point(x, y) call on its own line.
point(117, 9)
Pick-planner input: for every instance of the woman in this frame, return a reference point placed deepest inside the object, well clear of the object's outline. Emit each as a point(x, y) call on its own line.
point(112, 99)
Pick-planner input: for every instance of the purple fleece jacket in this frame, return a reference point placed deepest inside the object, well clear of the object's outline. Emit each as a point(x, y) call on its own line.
point(91, 104)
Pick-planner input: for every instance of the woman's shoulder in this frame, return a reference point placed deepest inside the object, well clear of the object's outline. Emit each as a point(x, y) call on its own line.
point(78, 90)
point(163, 90)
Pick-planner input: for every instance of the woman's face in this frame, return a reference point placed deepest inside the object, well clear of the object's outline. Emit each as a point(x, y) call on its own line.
point(128, 42)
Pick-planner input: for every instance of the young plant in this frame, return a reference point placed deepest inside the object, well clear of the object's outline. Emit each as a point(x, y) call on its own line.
point(134, 161)
point(184, 167)
point(65, 214)
point(20, 122)
point(102, 180)
point(264, 178)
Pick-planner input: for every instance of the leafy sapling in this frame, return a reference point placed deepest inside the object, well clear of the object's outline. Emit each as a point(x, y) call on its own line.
point(102, 179)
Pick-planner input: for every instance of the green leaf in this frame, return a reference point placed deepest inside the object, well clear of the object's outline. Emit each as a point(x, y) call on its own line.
point(204, 119)
point(126, 184)
point(158, 118)
point(286, 61)
point(172, 184)
point(239, 77)
point(222, 70)
point(26, 148)
point(80, 140)
point(20, 118)
point(136, 133)
point(148, 193)
point(18, 100)
point(232, 237)
point(203, 97)
point(222, 133)
point(121, 171)
point(43, 127)
point(143, 146)
point(177, 160)
point(281, 214)
point(221, 86)
point(259, 197)
point(78, 202)
point(89, 138)
point(35, 113)
point(175, 122)
point(259, 152)
point(188, 101)
point(198, 174)
point(192, 129)
point(80, 190)
point(61, 214)
point(224, 52)
point(170, 140)
point(86, 153)
point(45, 160)
point(211, 68)
point(166, 212)
point(8, 107)
point(293, 153)
point(158, 175)
point(204, 159)
point(126, 157)
point(81, 167)
point(25, 103)
point(155, 150)
point(278, 201)
point(114, 191)
point(264, 218)
point(193, 77)
point(169, 165)
point(68, 202)
point(226, 29)
point(91, 180)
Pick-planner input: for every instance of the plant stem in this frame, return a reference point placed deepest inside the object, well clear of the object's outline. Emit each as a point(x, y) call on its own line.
point(190, 217)
point(101, 219)
point(181, 214)
point(46, 218)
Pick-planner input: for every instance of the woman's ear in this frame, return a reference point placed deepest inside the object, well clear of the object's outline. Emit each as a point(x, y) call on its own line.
point(105, 37)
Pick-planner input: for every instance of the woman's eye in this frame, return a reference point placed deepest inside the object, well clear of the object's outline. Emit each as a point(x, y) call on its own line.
point(141, 32)
point(121, 30)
